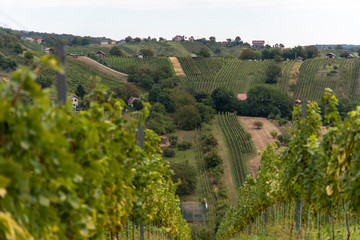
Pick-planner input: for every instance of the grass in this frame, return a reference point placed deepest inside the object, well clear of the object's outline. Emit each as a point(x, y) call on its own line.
point(159, 48)
point(88, 49)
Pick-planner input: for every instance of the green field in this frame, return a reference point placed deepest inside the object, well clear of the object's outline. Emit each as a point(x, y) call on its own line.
point(160, 48)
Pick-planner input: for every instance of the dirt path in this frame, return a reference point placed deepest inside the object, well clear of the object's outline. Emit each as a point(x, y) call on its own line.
point(261, 138)
point(92, 63)
point(225, 154)
point(177, 67)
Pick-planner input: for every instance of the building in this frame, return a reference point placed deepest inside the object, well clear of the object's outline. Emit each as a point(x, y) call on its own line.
point(131, 101)
point(100, 54)
point(258, 43)
point(49, 50)
point(299, 59)
point(74, 101)
point(74, 55)
point(29, 39)
point(104, 42)
point(350, 56)
point(40, 40)
point(191, 39)
point(330, 55)
point(241, 97)
point(140, 56)
point(178, 38)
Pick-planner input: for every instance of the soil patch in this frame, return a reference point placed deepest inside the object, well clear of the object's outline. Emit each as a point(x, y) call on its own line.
point(177, 66)
point(261, 138)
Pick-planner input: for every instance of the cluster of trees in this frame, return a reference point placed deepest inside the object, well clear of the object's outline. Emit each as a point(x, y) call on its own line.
point(280, 53)
point(7, 63)
point(10, 42)
point(187, 174)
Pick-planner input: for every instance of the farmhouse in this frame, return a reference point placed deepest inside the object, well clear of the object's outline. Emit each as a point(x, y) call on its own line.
point(74, 55)
point(350, 56)
point(241, 97)
point(74, 101)
point(178, 38)
point(39, 41)
point(299, 59)
point(140, 56)
point(100, 54)
point(49, 50)
point(330, 55)
point(104, 42)
point(258, 43)
point(29, 39)
point(191, 39)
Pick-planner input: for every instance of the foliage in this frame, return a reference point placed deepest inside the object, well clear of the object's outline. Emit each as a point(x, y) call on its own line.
point(187, 117)
point(147, 52)
point(247, 54)
point(186, 173)
point(204, 52)
point(116, 51)
point(263, 100)
point(223, 100)
point(212, 159)
point(66, 176)
point(80, 92)
point(273, 134)
point(169, 153)
point(184, 145)
point(273, 72)
point(258, 124)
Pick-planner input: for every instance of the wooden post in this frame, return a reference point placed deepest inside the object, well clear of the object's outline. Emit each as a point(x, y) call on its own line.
point(61, 78)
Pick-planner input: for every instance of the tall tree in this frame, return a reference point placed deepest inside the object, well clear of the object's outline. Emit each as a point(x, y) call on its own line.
point(80, 91)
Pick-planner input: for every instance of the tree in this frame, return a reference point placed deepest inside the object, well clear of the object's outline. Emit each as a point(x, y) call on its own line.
point(147, 52)
point(80, 92)
point(312, 51)
point(258, 124)
point(85, 41)
point(116, 51)
point(186, 173)
point(339, 47)
point(212, 39)
point(138, 105)
point(128, 39)
point(204, 52)
point(247, 54)
point(223, 99)
point(272, 72)
point(212, 159)
point(187, 117)
point(263, 100)
point(238, 40)
point(29, 56)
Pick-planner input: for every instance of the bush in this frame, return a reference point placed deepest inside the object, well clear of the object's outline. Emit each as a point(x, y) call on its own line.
point(169, 153)
point(173, 140)
point(187, 174)
point(258, 124)
point(184, 145)
point(274, 134)
point(212, 159)
point(282, 122)
point(284, 139)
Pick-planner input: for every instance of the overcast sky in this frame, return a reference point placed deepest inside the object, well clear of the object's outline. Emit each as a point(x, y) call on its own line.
point(291, 22)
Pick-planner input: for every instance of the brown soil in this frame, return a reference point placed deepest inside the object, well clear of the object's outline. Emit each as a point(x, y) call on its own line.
point(177, 67)
point(102, 68)
point(261, 138)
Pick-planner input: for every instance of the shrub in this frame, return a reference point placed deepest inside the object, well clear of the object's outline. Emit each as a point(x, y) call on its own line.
point(274, 134)
point(169, 153)
point(184, 145)
point(187, 174)
point(258, 124)
point(212, 159)
point(282, 122)
point(173, 140)
point(284, 139)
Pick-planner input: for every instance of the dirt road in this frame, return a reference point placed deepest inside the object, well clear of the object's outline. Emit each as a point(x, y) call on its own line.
point(177, 67)
point(102, 68)
point(261, 138)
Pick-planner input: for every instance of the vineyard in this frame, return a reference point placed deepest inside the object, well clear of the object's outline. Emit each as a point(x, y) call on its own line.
point(207, 74)
point(341, 75)
point(80, 73)
point(80, 176)
point(312, 184)
point(240, 145)
point(121, 64)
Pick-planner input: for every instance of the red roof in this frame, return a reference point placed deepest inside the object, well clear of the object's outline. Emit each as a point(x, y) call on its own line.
point(331, 54)
point(242, 97)
point(101, 52)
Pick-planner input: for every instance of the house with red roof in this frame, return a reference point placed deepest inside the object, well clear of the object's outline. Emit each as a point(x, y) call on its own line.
point(241, 97)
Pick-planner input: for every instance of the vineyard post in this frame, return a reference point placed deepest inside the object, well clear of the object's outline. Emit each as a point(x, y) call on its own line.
point(298, 201)
point(141, 144)
point(61, 78)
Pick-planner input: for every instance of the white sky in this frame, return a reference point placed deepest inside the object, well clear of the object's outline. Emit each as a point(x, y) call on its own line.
point(291, 22)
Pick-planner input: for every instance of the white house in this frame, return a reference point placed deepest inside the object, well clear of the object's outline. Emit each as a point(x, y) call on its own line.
point(74, 101)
